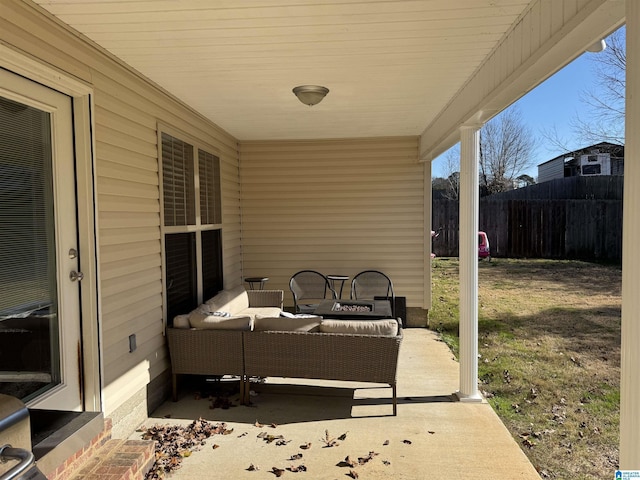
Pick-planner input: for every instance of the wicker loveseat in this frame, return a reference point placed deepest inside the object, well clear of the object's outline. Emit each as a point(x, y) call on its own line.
point(361, 357)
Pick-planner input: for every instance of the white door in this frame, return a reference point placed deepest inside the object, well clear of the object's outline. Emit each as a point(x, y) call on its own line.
point(40, 350)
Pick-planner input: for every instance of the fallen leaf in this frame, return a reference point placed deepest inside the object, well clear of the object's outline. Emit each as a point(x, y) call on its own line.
point(305, 446)
point(386, 462)
point(221, 402)
point(363, 460)
point(253, 468)
point(353, 474)
point(278, 472)
point(386, 442)
point(328, 440)
point(343, 436)
point(273, 425)
point(349, 462)
point(271, 438)
point(258, 424)
point(408, 442)
point(431, 432)
point(299, 468)
point(297, 456)
point(215, 445)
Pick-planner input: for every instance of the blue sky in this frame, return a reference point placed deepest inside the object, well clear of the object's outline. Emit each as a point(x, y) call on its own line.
point(552, 104)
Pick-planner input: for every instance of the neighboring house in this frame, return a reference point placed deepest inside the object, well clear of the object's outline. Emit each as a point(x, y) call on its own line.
point(600, 159)
point(184, 163)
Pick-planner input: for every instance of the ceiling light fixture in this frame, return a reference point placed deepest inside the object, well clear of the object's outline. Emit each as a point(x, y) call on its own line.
point(310, 94)
point(597, 47)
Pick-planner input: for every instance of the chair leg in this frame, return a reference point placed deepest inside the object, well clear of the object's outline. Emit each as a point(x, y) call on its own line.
point(242, 387)
point(395, 399)
point(247, 390)
point(174, 382)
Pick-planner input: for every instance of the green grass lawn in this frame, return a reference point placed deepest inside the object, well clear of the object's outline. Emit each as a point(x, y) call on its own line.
point(549, 356)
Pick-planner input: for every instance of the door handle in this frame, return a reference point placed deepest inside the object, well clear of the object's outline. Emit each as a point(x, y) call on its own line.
point(76, 276)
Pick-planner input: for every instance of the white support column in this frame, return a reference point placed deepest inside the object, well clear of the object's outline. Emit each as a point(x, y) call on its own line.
point(630, 361)
point(468, 253)
point(428, 216)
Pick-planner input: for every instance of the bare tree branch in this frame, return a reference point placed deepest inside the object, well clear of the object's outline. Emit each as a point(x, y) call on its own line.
point(606, 106)
point(506, 151)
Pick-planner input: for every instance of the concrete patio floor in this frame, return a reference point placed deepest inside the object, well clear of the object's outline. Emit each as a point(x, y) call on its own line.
point(432, 437)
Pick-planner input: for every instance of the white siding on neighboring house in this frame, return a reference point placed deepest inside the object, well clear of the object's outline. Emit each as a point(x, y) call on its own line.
point(337, 206)
point(127, 111)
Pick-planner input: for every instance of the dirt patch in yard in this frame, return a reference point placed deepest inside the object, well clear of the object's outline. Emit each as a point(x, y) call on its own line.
point(549, 345)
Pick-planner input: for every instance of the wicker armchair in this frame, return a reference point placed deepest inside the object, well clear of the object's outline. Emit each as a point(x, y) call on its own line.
point(213, 351)
point(205, 352)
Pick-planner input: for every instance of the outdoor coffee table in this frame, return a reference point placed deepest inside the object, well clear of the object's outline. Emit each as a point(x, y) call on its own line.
point(354, 309)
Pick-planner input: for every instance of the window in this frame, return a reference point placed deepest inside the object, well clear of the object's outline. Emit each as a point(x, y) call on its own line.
point(591, 170)
point(192, 218)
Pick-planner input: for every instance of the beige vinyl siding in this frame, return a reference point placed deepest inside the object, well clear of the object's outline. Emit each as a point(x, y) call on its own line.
point(336, 206)
point(132, 287)
point(127, 110)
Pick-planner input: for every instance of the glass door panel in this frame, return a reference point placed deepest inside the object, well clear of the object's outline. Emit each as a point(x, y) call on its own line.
point(39, 319)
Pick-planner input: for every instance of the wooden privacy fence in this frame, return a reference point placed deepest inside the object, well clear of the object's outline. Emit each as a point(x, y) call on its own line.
point(559, 228)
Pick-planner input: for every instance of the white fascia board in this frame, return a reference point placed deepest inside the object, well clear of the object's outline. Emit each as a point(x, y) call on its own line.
point(509, 72)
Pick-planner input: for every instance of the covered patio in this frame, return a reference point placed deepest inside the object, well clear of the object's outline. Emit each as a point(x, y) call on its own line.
point(339, 187)
point(432, 437)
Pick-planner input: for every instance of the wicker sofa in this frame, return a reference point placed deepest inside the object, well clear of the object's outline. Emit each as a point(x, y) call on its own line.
point(271, 346)
point(361, 357)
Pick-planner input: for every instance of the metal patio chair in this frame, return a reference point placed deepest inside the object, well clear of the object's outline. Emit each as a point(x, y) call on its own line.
point(309, 288)
point(373, 285)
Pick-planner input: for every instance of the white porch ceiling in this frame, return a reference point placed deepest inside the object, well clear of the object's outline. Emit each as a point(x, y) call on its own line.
point(391, 65)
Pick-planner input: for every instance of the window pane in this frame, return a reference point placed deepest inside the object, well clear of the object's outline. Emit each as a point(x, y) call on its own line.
point(29, 339)
point(177, 182)
point(209, 170)
point(211, 263)
point(182, 294)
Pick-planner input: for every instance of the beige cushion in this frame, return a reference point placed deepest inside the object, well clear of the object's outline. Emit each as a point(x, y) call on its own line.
point(214, 322)
point(255, 312)
point(385, 327)
point(181, 321)
point(218, 301)
point(285, 324)
point(233, 300)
